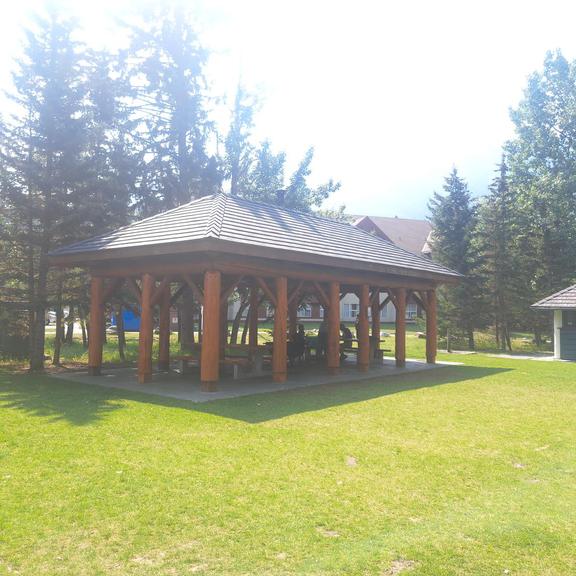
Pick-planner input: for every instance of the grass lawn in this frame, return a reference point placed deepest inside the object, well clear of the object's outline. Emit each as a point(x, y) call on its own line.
point(462, 470)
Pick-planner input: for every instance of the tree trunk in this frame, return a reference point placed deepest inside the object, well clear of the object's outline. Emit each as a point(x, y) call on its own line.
point(187, 322)
point(69, 339)
point(39, 327)
point(448, 343)
point(244, 337)
point(237, 319)
point(471, 345)
point(58, 336)
point(121, 333)
point(82, 317)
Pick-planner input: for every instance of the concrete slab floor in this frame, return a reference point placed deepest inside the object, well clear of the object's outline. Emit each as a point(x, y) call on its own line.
point(187, 387)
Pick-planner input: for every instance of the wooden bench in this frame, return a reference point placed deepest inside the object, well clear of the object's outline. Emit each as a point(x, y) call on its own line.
point(236, 362)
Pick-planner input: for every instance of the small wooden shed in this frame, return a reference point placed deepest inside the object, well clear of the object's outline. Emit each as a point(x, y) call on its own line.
point(563, 304)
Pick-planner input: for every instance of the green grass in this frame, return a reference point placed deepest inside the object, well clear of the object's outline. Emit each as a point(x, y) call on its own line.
point(462, 470)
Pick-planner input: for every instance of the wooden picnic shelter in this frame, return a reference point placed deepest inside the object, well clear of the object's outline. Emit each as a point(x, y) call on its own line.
point(213, 245)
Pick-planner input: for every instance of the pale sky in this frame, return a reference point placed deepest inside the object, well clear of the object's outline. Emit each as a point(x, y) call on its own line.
point(390, 94)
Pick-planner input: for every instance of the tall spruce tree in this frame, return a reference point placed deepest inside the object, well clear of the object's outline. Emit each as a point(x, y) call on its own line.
point(43, 152)
point(171, 100)
point(239, 151)
point(453, 218)
point(542, 161)
point(497, 244)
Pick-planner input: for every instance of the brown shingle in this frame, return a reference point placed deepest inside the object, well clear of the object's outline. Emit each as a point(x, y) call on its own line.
point(236, 220)
point(565, 299)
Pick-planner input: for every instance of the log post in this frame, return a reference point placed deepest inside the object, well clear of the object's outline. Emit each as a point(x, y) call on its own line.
point(164, 330)
point(279, 354)
point(210, 355)
point(431, 327)
point(253, 318)
point(333, 344)
point(400, 302)
point(376, 315)
point(363, 356)
point(146, 329)
point(96, 328)
point(293, 318)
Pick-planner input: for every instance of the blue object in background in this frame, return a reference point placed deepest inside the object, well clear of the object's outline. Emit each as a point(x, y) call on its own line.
point(131, 321)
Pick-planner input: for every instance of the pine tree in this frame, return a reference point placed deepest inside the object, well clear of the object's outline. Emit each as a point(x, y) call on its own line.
point(43, 152)
point(239, 150)
point(453, 218)
point(167, 77)
point(496, 242)
point(542, 161)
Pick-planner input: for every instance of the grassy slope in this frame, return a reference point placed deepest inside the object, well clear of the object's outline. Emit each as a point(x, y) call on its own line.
point(463, 470)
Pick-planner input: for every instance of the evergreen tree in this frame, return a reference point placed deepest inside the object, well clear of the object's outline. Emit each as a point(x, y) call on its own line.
point(453, 218)
point(542, 160)
point(43, 149)
point(239, 151)
point(496, 242)
point(167, 77)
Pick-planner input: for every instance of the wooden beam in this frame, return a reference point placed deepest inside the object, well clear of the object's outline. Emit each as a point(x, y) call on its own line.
point(375, 310)
point(384, 302)
point(164, 330)
point(230, 288)
point(210, 354)
point(249, 266)
point(431, 327)
point(333, 347)
point(363, 356)
point(96, 336)
point(279, 354)
point(400, 303)
point(196, 290)
point(295, 293)
point(271, 296)
point(111, 288)
point(253, 318)
point(146, 330)
point(323, 297)
point(159, 292)
point(178, 293)
point(421, 299)
point(134, 288)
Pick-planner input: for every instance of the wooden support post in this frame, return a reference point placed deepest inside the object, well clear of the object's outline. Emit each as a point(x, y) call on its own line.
point(363, 356)
point(96, 336)
point(146, 330)
point(223, 326)
point(400, 303)
point(210, 355)
point(253, 319)
point(431, 327)
point(279, 354)
point(293, 318)
point(333, 344)
point(376, 315)
point(164, 330)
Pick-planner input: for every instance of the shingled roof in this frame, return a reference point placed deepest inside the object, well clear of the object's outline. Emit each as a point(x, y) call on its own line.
point(565, 299)
point(220, 221)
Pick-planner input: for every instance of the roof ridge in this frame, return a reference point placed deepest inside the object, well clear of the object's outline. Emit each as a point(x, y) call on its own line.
point(214, 224)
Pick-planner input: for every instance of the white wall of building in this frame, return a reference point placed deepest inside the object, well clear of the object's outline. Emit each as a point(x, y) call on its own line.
point(557, 327)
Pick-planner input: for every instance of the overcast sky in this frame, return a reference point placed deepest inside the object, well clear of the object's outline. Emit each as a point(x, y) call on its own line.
point(391, 94)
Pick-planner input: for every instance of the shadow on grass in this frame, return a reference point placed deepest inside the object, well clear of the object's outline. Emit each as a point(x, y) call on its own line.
point(81, 404)
point(265, 407)
point(55, 400)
